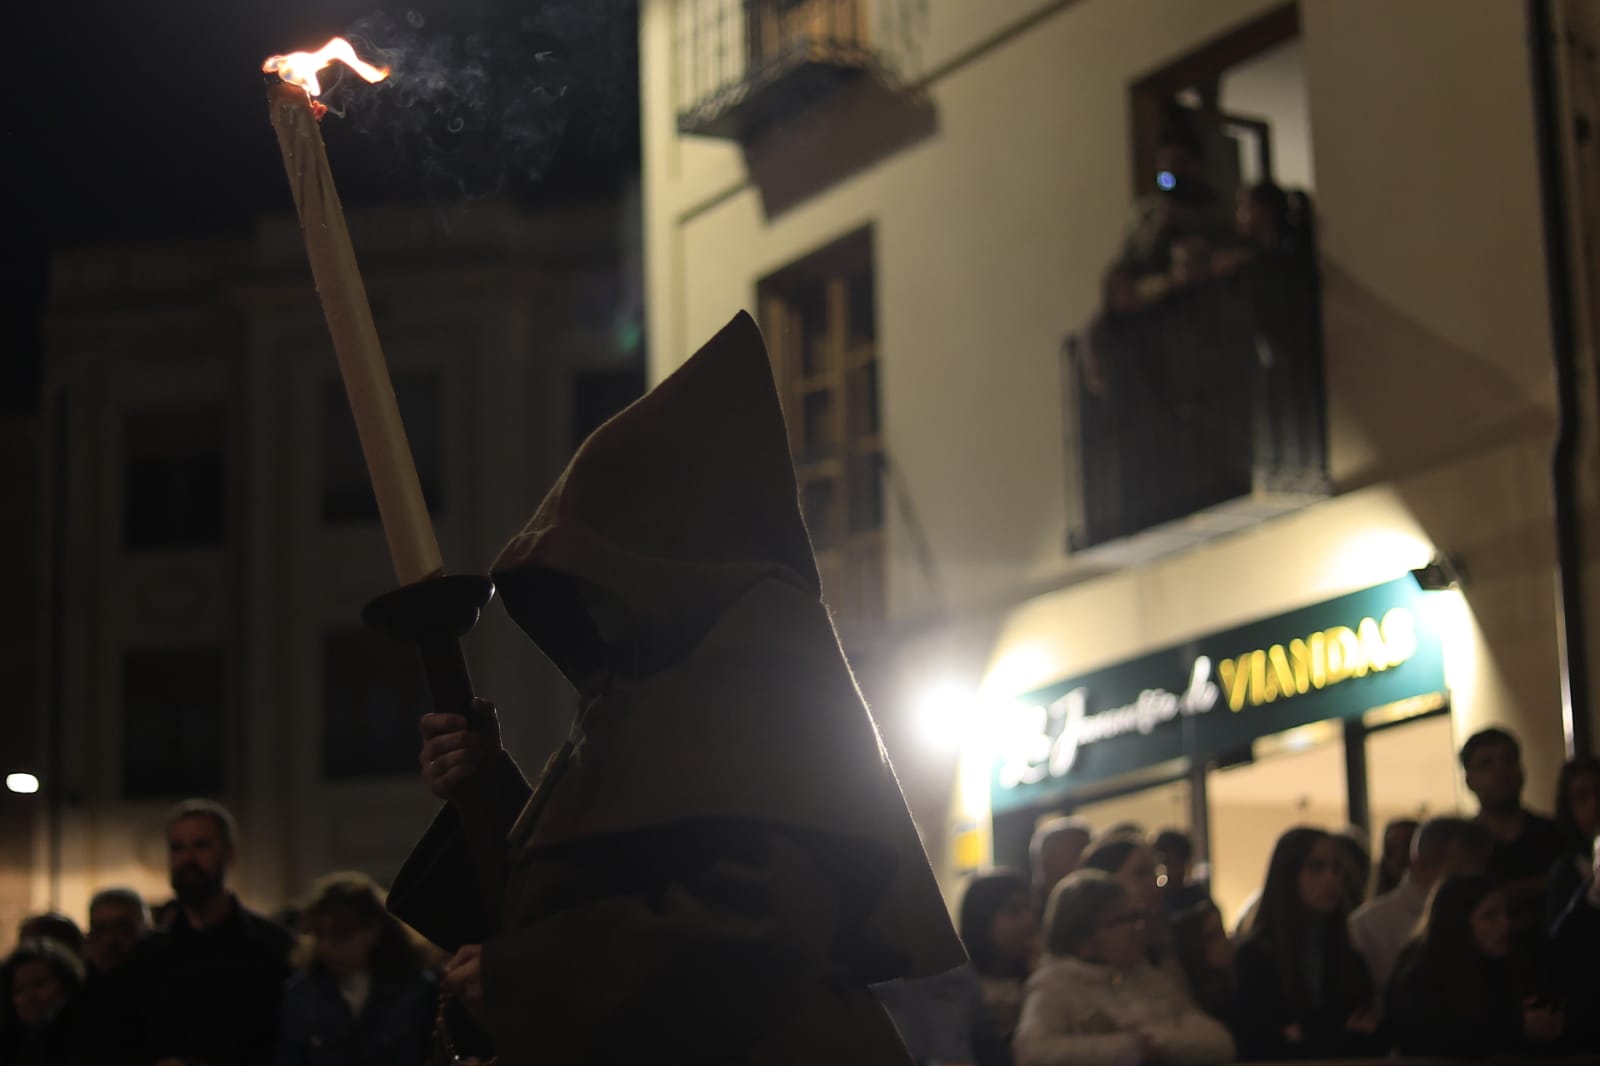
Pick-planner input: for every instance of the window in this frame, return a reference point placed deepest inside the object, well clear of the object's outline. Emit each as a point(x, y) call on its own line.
point(172, 723)
point(820, 317)
point(1294, 778)
point(1165, 806)
point(373, 692)
point(1242, 96)
point(1412, 771)
point(778, 28)
point(172, 483)
point(346, 489)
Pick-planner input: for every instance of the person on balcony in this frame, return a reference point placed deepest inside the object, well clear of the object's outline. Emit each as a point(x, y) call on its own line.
point(1273, 269)
point(1272, 225)
point(1173, 229)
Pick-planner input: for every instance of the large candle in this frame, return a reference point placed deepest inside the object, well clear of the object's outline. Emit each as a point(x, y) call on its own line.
point(401, 505)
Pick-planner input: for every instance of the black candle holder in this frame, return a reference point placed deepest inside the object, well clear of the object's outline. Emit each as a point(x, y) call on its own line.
point(434, 614)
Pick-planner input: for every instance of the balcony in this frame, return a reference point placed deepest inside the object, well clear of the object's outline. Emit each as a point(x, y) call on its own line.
point(745, 66)
point(1198, 415)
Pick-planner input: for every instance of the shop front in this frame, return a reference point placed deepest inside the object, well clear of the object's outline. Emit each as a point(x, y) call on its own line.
point(1331, 714)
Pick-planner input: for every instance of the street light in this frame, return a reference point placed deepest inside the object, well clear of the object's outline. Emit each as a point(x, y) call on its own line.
point(945, 715)
point(23, 784)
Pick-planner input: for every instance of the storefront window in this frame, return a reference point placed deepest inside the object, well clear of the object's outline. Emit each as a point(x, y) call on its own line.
point(1412, 772)
point(1270, 713)
point(1152, 810)
point(1295, 778)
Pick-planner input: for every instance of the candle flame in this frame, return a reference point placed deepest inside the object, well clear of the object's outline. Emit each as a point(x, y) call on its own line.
point(300, 68)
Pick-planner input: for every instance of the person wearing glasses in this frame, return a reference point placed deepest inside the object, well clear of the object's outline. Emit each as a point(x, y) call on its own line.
point(1096, 1000)
point(1304, 991)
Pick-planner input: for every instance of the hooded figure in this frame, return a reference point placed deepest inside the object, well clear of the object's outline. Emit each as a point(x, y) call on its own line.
point(720, 860)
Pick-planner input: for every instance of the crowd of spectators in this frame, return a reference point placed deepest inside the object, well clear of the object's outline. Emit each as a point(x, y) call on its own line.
point(1478, 937)
point(1462, 937)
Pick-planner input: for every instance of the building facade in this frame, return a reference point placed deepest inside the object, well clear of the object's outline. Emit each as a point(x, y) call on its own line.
point(19, 655)
point(214, 535)
point(928, 207)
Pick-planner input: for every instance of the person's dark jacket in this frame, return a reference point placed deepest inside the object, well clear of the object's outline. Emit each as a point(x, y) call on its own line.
point(207, 995)
point(395, 1027)
point(1567, 875)
point(1267, 1011)
point(1576, 947)
point(62, 1041)
point(1456, 1015)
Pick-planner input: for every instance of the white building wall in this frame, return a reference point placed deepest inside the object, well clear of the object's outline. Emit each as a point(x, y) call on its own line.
point(990, 236)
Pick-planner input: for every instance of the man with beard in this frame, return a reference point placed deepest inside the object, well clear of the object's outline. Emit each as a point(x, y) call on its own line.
point(206, 990)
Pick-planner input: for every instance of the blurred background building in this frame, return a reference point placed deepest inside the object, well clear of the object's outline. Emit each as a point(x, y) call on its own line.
point(211, 535)
point(1200, 513)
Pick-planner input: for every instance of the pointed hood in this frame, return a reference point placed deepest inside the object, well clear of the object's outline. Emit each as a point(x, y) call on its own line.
point(667, 513)
point(671, 561)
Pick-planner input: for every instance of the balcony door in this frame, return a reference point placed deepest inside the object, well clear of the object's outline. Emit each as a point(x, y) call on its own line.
point(780, 29)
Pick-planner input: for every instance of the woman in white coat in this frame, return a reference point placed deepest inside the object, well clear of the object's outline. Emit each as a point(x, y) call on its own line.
point(1096, 1000)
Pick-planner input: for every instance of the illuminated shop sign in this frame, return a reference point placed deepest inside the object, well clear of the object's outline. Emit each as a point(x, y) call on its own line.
point(1218, 693)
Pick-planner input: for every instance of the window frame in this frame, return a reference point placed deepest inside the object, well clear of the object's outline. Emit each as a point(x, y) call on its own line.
point(850, 551)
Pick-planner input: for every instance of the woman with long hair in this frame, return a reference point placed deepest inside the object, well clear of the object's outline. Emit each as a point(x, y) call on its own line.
point(1578, 817)
point(1455, 993)
point(1096, 998)
point(1001, 935)
point(362, 993)
point(1304, 993)
point(1201, 943)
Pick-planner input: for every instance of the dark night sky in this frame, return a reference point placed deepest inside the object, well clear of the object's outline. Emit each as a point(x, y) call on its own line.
point(147, 121)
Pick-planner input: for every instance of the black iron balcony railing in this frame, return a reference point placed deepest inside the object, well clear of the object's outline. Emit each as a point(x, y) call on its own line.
point(1211, 396)
point(745, 65)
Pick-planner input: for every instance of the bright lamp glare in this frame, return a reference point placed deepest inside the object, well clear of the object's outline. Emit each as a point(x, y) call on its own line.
point(945, 714)
point(26, 784)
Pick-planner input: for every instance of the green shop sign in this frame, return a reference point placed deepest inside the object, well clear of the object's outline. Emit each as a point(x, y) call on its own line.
point(1220, 692)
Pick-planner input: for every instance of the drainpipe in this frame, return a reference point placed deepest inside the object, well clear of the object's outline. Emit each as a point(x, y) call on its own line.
point(1571, 640)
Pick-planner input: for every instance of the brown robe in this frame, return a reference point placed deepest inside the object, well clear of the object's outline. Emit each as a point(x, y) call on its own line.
point(726, 862)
